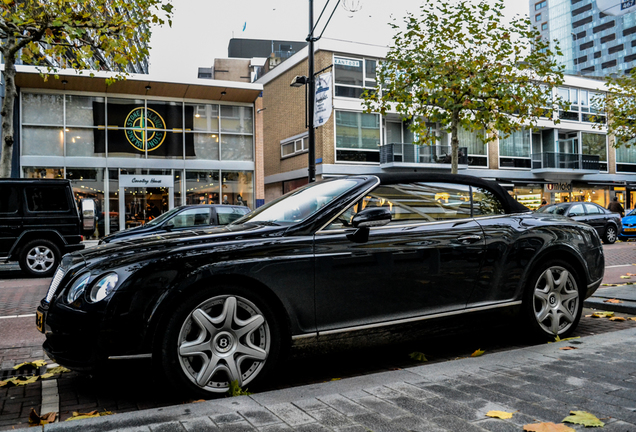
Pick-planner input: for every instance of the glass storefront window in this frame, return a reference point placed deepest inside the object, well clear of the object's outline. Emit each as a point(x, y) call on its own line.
point(236, 119)
point(43, 109)
point(80, 142)
point(42, 141)
point(89, 183)
point(473, 140)
point(356, 130)
point(205, 117)
point(236, 147)
point(84, 111)
point(594, 144)
point(178, 181)
point(113, 201)
point(41, 173)
point(206, 145)
point(238, 188)
point(203, 187)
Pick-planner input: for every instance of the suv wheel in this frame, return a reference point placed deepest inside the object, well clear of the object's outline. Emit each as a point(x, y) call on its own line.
point(39, 258)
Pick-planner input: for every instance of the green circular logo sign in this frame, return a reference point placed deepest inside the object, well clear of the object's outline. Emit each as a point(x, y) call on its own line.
point(144, 130)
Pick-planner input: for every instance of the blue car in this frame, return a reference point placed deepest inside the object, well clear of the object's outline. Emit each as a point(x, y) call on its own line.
point(629, 226)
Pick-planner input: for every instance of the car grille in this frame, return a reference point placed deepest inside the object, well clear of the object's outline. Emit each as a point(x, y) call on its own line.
point(59, 274)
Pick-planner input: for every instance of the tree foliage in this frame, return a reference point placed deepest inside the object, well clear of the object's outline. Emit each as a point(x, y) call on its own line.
point(77, 34)
point(619, 104)
point(459, 65)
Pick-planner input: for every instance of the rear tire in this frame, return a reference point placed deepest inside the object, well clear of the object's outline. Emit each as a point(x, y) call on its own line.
point(219, 335)
point(610, 235)
point(553, 300)
point(39, 258)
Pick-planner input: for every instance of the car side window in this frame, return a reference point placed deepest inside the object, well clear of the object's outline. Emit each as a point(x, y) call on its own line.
point(576, 210)
point(227, 215)
point(46, 199)
point(592, 209)
point(486, 203)
point(8, 199)
point(413, 203)
point(190, 218)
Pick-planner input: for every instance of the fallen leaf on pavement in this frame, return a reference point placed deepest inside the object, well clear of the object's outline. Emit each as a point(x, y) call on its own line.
point(633, 318)
point(35, 364)
point(547, 427)
point(630, 274)
point(558, 339)
point(499, 414)
point(583, 418)
point(46, 375)
point(615, 301)
point(39, 420)
point(567, 348)
point(625, 277)
point(57, 370)
point(21, 381)
point(617, 319)
point(602, 314)
point(477, 353)
point(418, 356)
point(95, 413)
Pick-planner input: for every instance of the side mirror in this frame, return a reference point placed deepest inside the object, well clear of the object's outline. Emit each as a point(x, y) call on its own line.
point(371, 217)
point(87, 209)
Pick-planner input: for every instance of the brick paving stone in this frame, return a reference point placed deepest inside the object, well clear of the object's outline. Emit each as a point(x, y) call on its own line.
point(201, 424)
point(453, 423)
point(378, 405)
point(330, 417)
point(291, 414)
point(496, 425)
point(237, 427)
point(276, 428)
point(260, 418)
point(343, 405)
point(173, 426)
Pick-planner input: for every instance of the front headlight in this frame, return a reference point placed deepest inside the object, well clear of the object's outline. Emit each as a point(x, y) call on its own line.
point(104, 286)
point(78, 287)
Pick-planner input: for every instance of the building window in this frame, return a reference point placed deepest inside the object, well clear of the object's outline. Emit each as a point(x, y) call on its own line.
point(516, 145)
point(537, 17)
point(357, 137)
point(582, 107)
point(541, 5)
point(353, 75)
point(477, 148)
point(595, 144)
point(295, 145)
point(544, 26)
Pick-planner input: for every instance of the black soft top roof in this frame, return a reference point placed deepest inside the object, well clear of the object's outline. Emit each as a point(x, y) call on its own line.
point(512, 206)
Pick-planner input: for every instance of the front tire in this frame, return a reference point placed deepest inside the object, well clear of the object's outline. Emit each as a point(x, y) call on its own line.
point(553, 300)
point(217, 336)
point(39, 258)
point(610, 235)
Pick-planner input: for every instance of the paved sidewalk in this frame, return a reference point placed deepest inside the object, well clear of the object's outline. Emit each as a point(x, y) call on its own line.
point(538, 384)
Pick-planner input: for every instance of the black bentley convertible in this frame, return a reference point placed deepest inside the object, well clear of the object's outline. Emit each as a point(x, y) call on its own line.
point(341, 255)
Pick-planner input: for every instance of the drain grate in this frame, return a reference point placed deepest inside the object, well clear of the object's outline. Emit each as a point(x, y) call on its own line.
point(25, 371)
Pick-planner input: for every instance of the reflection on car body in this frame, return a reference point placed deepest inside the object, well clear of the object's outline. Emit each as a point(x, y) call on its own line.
point(606, 223)
point(338, 256)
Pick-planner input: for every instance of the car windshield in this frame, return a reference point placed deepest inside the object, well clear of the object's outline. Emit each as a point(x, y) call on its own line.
point(632, 212)
point(553, 209)
point(298, 205)
point(162, 218)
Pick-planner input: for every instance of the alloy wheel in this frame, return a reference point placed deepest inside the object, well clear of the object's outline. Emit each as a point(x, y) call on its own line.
point(556, 300)
point(224, 339)
point(610, 234)
point(40, 259)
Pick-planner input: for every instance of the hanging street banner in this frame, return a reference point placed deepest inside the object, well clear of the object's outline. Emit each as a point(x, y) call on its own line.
point(616, 7)
point(132, 128)
point(324, 100)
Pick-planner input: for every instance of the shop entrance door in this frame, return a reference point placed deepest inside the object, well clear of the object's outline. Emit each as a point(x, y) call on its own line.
point(141, 201)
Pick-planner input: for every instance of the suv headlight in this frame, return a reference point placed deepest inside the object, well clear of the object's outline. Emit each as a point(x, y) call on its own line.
point(104, 286)
point(78, 287)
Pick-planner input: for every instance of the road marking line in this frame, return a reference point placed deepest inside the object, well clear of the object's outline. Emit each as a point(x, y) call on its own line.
point(620, 265)
point(17, 316)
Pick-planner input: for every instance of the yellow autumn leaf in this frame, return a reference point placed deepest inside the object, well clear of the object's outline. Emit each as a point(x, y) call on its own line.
point(95, 413)
point(602, 314)
point(499, 414)
point(558, 339)
point(583, 418)
point(477, 353)
point(21, 381)
point(625, 277)
point(418, 356)
point(633, 318)
point(46, 375)
point(547, 427)
point(615, 301)
point(58, 370)
point(617, 319)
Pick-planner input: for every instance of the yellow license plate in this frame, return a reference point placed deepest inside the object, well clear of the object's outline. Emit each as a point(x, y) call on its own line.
point(39, 321)
point(629, 229)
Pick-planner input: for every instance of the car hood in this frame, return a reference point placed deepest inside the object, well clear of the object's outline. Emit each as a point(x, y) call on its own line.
point(629, 220)
point(139, 230)
point(124, 252)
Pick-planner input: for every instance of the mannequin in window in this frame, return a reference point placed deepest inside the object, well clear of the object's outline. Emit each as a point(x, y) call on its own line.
point(225, 201)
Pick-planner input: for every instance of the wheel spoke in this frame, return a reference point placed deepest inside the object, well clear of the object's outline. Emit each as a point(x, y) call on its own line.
point(248, 326)
point(566, 313)
point(554, 316)
point(251, 351)
point(197, 347)
point(549, 280)
point(543, 313)
point(543, 295)
point(228, 315)
point(569, 295)
point(205, 322)
point(562, 282)
point(210, 367)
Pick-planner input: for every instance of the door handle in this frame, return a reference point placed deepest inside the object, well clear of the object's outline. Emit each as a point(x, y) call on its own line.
point(468, 239)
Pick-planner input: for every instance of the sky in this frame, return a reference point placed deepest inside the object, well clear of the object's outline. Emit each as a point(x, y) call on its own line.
point(201, 29)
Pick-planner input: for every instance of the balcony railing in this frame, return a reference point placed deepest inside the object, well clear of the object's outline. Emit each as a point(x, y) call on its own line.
point(552, 161)
point(402, 154)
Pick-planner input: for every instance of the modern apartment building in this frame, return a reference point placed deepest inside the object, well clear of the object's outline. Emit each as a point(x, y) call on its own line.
point(593, 43)
point(570, 161)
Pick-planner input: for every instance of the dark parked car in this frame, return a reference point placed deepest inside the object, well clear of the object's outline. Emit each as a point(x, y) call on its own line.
point(39, 222)
point(341, 255)
point(182, 218)
point(606, 223)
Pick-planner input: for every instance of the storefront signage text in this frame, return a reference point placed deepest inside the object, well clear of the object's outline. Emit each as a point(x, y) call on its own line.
point(146, 181)
point(345, 62)
point(558, 187)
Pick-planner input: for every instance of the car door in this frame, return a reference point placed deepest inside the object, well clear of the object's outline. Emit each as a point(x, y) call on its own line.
point(425, 261)
point(10, 217)
point(577, 212)
point(595, 217)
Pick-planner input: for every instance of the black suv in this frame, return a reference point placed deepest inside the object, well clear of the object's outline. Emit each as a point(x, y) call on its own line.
point(40, 222)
